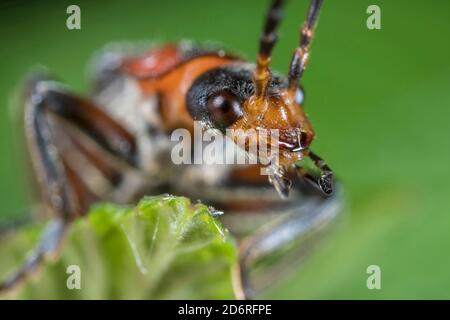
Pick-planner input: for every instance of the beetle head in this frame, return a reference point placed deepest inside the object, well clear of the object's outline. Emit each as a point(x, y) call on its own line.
point(224, 98)
point(252, 100)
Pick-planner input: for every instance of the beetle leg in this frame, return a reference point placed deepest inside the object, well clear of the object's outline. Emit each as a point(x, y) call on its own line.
point(324, 179)
point(47, 248)
point(63, 190)
point(52, 164)
point(266, 254)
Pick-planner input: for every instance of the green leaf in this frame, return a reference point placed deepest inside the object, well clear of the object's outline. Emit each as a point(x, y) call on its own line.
point(164, 248)
point(308, 165)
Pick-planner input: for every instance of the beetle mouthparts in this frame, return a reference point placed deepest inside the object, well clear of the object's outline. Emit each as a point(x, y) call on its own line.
point(281, 184)
point(277, 177)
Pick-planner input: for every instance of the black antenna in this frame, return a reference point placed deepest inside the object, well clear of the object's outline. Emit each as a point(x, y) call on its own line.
point(300, 56)
point(266, 43)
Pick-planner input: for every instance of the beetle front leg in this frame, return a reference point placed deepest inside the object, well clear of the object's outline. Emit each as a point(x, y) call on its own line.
point(316, 171)
point(63, 190)
point(269, 252)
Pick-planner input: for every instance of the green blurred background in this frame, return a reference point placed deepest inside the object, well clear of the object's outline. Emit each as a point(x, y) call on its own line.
point(379, 101)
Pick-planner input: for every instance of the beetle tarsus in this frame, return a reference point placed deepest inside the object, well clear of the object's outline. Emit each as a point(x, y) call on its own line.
point(326, 183)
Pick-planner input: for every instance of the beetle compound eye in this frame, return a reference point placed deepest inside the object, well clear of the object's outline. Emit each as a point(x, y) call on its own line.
point(300, 96)
point(224, 108)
